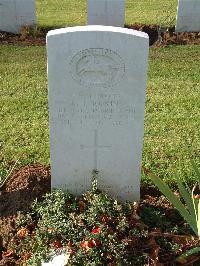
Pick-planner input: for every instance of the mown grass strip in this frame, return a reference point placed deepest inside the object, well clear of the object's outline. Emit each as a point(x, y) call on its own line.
point(59, 13)
point(172, 108)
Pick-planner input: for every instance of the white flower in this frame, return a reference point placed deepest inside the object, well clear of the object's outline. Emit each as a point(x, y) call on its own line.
point(60, 260)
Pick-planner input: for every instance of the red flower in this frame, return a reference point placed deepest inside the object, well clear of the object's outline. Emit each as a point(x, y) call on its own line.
point(57, 244)
point(92, 243)
point(84, 244)
point(96, 230)
point(22, 233)
point(98, 242)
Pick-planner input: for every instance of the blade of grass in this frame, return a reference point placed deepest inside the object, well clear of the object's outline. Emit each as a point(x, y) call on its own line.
point(8, 175)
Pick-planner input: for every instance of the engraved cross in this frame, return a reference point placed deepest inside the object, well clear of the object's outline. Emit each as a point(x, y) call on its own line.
point(96, 146)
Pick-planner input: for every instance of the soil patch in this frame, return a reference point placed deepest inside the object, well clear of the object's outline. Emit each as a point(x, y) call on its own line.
point(31, 182)
point(168, 36)
point(157, 36)
point(20, 191)
point(9, 38)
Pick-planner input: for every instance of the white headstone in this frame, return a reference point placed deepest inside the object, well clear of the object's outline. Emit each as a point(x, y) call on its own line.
point(106, 12)
point(15, 14)
point(188, 16)
point(97, 80)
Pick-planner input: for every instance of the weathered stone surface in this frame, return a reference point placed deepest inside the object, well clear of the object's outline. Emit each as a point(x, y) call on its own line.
point(188, 16)
point(106, 12)
point(97, 81)
point(15, 14)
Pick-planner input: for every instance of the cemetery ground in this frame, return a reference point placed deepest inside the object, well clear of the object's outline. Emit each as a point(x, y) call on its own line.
point(171, 138)
point(158, 233)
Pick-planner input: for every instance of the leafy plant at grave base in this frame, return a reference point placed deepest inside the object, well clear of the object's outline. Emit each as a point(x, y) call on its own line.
point(94, 230)
point(191, 199)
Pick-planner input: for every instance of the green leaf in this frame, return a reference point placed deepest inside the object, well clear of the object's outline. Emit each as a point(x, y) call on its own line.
point(189, 252)
point(184, 177)
point(176, 202)
point(196, 171)
point(186, 196)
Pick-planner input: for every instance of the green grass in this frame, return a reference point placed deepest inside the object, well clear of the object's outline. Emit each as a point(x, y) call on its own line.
point(24, 125)
point(172, 109)
point(151, 12)
point(56, 13)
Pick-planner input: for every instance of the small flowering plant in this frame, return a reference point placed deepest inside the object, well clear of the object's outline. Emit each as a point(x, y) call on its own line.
point(93, 229)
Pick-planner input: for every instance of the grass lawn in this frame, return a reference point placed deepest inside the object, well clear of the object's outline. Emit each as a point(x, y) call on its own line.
point(172, 109)
point(56, 13)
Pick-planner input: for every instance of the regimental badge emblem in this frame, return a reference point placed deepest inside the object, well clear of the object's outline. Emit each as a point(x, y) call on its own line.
point(97, 67)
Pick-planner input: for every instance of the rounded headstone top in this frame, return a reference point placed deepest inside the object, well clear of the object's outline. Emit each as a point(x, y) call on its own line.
point(98, 28)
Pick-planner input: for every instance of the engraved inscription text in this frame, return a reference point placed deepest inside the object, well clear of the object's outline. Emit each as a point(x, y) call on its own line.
point(95, 110)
